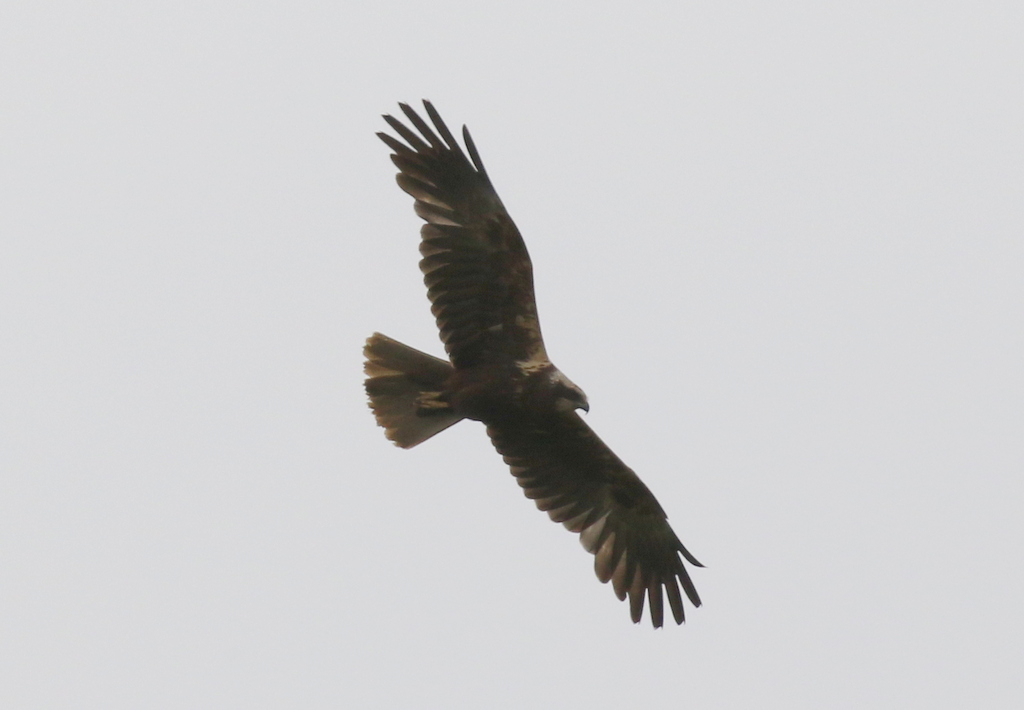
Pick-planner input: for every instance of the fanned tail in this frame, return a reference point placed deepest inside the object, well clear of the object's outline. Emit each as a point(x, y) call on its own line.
point(405, 386)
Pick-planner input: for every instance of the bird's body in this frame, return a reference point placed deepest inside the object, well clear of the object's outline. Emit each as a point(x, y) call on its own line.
point(480, 283)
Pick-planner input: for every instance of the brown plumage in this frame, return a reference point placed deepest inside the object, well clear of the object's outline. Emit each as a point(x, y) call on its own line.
point(480, 283)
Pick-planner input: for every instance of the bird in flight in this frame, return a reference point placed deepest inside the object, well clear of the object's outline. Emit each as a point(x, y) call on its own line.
point(479, 281)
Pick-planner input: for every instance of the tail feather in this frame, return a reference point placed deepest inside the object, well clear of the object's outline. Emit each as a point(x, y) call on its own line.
point(404, 386)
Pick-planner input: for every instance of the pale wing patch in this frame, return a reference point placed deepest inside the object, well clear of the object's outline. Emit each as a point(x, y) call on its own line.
point(534, 364)
point(537, 359)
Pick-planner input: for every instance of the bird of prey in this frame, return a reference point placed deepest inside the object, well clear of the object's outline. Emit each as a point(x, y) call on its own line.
point(479, 281)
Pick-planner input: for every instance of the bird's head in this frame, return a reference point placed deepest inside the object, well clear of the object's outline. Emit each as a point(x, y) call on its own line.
point(568, 397)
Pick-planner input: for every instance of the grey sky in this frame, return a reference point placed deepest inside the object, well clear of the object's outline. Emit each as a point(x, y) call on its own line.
point(779, 245)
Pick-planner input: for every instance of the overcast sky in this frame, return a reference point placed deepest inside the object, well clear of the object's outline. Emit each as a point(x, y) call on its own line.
point(780, 245)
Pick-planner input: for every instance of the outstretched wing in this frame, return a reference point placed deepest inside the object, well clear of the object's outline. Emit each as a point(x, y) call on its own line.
point(570, 473)
point(478, 273)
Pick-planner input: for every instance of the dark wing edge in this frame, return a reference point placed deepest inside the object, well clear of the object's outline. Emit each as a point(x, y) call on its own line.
point(475, 265)
point(578, 481)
